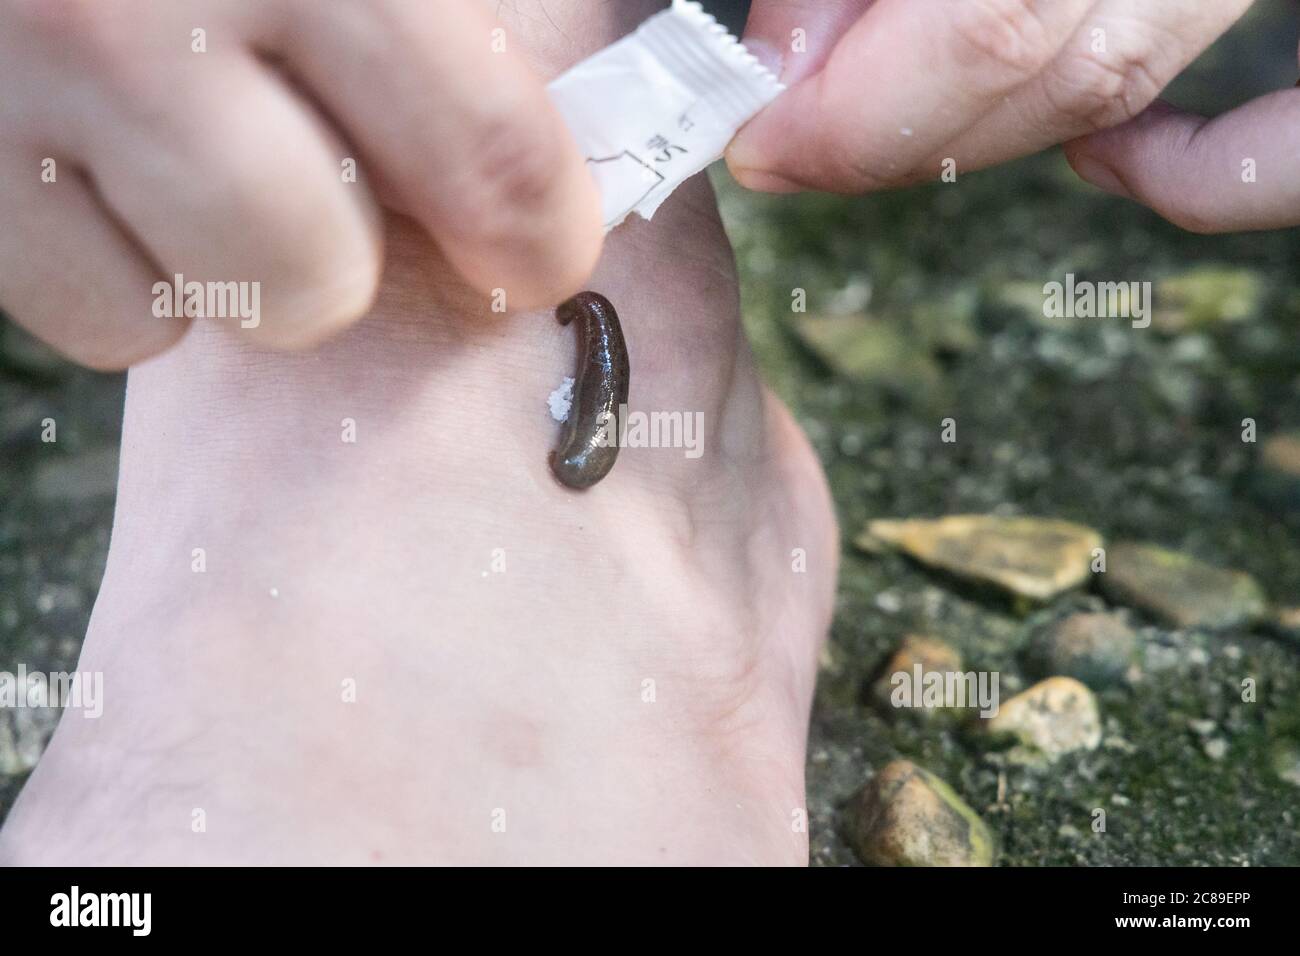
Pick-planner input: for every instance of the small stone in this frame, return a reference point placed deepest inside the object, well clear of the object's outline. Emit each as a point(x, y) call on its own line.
point(930, 654)
point(1281, 453)
point(1036, 558)
point(1203, 727)
point(906, 816)
point(1206, 295)
point(1216, 748)
point(24, 732)
point(869, 349)
point(1285, 621)
point(1285, 758)
point(889, 602)
point(1179, 589)
point(1028, 300)
point(1054, 717)
point(1096, 648)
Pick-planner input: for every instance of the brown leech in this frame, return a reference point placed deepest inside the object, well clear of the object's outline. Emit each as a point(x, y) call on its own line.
point(589, 445)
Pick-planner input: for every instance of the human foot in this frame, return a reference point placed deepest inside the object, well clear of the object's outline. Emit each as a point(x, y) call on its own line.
point(417, 646)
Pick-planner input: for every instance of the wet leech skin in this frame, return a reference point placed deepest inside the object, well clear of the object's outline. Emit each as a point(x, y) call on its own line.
point(588, 445)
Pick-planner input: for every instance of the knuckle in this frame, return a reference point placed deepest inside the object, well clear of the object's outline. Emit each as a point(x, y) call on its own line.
point(1100, 90)
point(1006, 33)
point(518, 163)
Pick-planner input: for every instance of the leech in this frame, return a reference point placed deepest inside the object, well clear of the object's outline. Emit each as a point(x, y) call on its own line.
point(589, 443)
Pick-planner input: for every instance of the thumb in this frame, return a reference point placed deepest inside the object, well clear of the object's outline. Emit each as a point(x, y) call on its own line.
point(794, 38)
point(1237, 172)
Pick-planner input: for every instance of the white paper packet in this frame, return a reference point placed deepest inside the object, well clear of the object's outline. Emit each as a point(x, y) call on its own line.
point(660, 105)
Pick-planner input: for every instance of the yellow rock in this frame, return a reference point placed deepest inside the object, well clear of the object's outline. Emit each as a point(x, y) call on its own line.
point(906, 816)
point(1207, 294)
point(1032, 557)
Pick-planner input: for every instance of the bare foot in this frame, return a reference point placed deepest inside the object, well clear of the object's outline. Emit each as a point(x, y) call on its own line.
point(416, 647)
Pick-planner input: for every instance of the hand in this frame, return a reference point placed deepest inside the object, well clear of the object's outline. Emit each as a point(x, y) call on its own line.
point(229, 163)
point(888, 90)
point(1236, 172)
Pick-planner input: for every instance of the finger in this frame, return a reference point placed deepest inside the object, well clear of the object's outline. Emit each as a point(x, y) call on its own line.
point(464, 136)
point(907, 78)
point(228, 177)
point(1237, 172)
point(70, 275)
point(1113, 67)
point(794, 38)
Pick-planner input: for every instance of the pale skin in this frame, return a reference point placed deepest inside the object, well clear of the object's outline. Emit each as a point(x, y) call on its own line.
point(414, 647)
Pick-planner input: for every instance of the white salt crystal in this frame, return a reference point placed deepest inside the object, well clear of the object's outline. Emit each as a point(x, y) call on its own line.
point(561, 400)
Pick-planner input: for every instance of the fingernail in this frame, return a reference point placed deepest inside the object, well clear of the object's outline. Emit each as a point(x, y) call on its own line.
point(1100, 175)
point(764, 182)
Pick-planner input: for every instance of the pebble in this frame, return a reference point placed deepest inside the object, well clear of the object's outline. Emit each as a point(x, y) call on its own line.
point(24, 731)
point(1052, 718)
point(931, 653)
point(1206, 295)
point(1286, 762)
point(869, 349)
point(1179, 589)
point(1096, 648)
point(1036, 558)
point(889, 601)
point(1280, 455)
point(1287, 621)
point(906, 816)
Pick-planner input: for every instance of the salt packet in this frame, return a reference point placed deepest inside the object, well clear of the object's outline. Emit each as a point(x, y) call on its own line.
point(660, 105)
